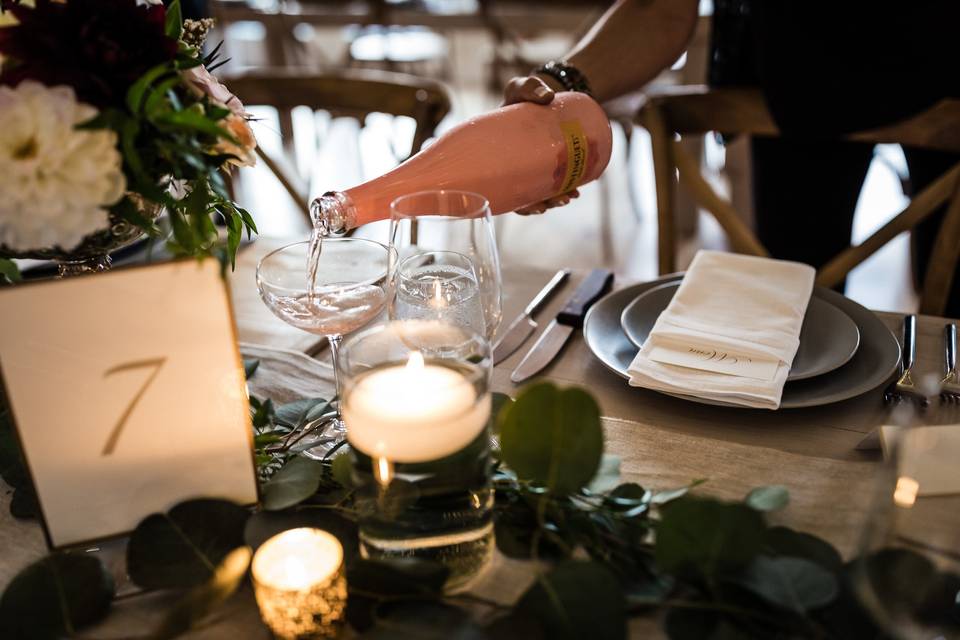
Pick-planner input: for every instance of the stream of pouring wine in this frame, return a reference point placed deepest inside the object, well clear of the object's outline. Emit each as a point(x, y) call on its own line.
point(313, 259)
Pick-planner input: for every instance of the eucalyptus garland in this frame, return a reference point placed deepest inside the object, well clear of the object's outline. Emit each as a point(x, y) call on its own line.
point(606, 551)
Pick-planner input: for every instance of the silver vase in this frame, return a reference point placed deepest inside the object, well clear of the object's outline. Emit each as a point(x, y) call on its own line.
point(92, 255)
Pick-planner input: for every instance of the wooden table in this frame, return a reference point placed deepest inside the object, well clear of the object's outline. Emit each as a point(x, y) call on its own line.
point(662, 442)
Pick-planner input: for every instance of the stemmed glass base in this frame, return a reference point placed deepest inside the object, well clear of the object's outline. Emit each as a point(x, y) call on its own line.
point(325, 435)
point(320, 439)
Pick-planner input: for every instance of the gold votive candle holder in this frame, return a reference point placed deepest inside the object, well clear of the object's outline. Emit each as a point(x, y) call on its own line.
point(300, 585)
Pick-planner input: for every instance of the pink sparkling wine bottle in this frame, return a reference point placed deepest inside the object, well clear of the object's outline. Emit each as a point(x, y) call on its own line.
point(514, 156)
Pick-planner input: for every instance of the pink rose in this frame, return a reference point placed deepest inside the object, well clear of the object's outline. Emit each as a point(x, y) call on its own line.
point(201, 81)
point(205, 84)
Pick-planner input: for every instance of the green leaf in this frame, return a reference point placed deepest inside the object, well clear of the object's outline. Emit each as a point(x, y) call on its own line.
point(250, 366)
point(648, 590)
point(769, 498)
point(264, 415)
point(300, 412)
point(782, 541)
point(158, 97)
point(56, 596)
point(794, 584)
point(691, 624)
point(702, 538)
point(174, 24)
point(234, 235)
point(182, 548)
point(9, 272)
point(370, 581)
point(295, 482)
point(200, 601)
point(137, 90)
point(252, 226)
point(499, 403)
point(194, 121)
point(341, 468)
point(577, 600)
point(515, 626)
point(553, 437)
point(131, 154)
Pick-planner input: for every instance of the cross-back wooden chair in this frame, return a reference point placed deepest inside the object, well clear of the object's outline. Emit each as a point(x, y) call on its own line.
point(354, 94)
point(697, 110)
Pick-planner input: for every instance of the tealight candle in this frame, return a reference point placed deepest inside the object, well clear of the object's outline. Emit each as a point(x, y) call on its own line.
point(299, 583)
point(415, 412)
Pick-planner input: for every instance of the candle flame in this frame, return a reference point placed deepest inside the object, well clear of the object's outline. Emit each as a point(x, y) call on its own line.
point(384, 471)
point(906, 492)
point(295, 572)
point(415, 362)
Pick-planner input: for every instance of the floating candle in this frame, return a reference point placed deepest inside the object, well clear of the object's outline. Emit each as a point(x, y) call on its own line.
point(415, 412)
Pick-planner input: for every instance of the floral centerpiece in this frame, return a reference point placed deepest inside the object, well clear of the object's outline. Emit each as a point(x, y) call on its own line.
point(109, 117)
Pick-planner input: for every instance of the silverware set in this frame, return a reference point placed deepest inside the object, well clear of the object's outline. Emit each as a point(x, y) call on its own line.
point(906, 388)
point(554, 337)
point(950, 385)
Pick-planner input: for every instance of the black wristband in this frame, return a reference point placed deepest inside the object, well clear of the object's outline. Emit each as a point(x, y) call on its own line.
point(571, 78)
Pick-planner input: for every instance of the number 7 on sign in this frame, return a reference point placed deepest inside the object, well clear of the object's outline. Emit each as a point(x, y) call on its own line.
point(157, 363)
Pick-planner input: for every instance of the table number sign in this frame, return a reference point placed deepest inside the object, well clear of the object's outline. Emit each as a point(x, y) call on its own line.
point(128, 395)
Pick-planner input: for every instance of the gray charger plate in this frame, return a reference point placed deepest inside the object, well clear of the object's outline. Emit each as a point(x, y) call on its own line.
point(874, 363)
point(828, 339)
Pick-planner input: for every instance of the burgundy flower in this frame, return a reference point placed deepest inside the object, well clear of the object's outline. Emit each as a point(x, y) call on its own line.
point(98, 47)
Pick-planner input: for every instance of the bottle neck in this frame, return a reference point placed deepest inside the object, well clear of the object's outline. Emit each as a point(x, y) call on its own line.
point(333, 214)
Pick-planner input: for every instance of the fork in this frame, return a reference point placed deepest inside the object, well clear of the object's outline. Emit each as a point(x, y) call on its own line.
point(904, 388)
point(950, 385)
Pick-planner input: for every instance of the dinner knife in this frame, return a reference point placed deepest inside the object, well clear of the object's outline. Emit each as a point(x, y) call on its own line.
point(542, 353)
point(524, 325)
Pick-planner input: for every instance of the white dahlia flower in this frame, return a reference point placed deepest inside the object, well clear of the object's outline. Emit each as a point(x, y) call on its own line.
point(55, 180)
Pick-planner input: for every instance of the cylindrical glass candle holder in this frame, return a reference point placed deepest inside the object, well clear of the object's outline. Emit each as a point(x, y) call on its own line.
point(299, 583)
point(417, 407)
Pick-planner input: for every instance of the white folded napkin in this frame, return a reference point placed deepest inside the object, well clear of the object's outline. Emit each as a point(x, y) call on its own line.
point(737, 315)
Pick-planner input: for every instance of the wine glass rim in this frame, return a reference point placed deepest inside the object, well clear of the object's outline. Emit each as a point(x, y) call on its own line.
point(390, 253)
point(482, 208)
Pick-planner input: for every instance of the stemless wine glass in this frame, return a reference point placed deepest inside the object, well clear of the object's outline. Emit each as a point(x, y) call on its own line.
point(459, 221)
point(353, 285)
point(439, 285)
point(908, 573)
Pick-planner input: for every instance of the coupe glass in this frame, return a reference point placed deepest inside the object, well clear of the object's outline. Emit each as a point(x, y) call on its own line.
point(353, 285)
point(457, 221)
point(908, 573)
point(439, 285)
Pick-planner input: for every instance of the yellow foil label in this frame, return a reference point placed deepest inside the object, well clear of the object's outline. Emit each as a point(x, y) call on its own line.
point(576, 154)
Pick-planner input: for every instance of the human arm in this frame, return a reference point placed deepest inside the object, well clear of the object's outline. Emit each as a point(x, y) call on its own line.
point(627, 48)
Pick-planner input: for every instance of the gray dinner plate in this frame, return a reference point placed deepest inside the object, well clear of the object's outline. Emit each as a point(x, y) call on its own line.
point(828, 338)
point(872, 365)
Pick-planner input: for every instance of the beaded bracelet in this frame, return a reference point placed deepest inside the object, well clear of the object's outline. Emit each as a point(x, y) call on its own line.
point(571, 78)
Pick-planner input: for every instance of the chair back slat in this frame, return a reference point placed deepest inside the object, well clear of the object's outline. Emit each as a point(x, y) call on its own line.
point(353, 94)
point(697, 110)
